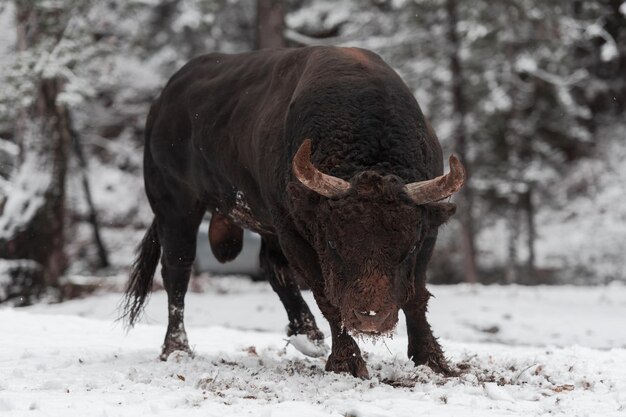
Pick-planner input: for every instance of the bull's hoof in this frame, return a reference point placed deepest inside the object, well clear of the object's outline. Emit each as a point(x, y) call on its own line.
point(437, 362)
point(441, 366)
point(354, 365)
point(172, 346)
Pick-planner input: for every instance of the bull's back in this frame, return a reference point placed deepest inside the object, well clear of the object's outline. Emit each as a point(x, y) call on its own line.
point(220, 100)
point(219, 123)
point(219, 111)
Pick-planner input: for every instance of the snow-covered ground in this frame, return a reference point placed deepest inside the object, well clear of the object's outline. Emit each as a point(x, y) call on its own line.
point(525, 352)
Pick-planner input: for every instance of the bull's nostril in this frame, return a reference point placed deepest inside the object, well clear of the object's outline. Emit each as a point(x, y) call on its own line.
point(370, 317)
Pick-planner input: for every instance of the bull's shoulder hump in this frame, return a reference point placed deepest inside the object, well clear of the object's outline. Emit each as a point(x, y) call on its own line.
point(363, 56)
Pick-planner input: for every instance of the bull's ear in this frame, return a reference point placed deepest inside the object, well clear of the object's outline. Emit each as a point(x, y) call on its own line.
point(439, 213)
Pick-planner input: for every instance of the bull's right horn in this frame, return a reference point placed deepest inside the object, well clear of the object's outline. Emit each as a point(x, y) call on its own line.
point(312, 178)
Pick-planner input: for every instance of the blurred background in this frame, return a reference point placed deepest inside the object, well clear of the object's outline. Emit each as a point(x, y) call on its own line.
point(530, 94)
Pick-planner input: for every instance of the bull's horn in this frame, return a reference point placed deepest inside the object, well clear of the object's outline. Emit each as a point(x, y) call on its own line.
point(312, 178)
point(438, 188)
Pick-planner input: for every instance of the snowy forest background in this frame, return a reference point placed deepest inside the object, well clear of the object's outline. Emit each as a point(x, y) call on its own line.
point(530, 94)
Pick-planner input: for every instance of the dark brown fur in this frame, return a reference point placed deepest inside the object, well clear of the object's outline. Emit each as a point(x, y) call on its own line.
point(222, 136)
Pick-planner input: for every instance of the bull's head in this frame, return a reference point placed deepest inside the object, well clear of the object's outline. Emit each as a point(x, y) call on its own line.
point(367, 233)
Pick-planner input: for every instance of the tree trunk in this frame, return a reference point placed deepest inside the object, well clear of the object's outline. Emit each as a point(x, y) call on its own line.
point(513, 223)
point(270, 24)
point(529, 208)
point(32, 224)
point(103, 256)
point(466, 197)
point(32, 221)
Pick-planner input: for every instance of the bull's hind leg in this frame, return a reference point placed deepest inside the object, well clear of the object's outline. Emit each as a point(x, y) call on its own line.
point(301, 321)
point(424, 349)
point(178, 238)
point(178, 216)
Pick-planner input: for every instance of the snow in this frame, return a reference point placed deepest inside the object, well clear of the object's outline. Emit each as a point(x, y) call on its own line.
point(525, 351)
point(321, 15)
point(191, 17)
point(7, 266)
point(593, 222)
point(609, 50)
point(7, 34)
point(26, 195)
point(307, 347)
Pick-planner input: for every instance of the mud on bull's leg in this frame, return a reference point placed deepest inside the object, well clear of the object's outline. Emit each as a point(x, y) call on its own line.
point(346, 356)
point(176, 281)
point(176, 336)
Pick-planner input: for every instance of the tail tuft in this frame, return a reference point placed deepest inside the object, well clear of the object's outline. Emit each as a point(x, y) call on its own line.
point(141, 276)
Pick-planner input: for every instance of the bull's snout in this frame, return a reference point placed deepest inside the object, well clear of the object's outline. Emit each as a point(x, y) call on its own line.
point(370, 321)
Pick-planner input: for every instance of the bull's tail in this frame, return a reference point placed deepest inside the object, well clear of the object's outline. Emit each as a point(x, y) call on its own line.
point(141, 276)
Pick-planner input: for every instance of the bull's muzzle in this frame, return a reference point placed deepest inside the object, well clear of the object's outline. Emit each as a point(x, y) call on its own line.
point(370, 321)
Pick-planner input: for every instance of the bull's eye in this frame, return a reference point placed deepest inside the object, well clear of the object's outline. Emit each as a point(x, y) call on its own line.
point(332, 245)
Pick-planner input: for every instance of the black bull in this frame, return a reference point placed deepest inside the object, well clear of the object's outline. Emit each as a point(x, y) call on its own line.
point(326, 154)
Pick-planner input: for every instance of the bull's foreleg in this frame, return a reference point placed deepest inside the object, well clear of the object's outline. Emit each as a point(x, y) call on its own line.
point(345, 355)
point(424, 349)
point(301, 320)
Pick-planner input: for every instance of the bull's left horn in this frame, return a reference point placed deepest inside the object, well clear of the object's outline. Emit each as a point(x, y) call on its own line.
point(312, 178)
point(438, 188)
